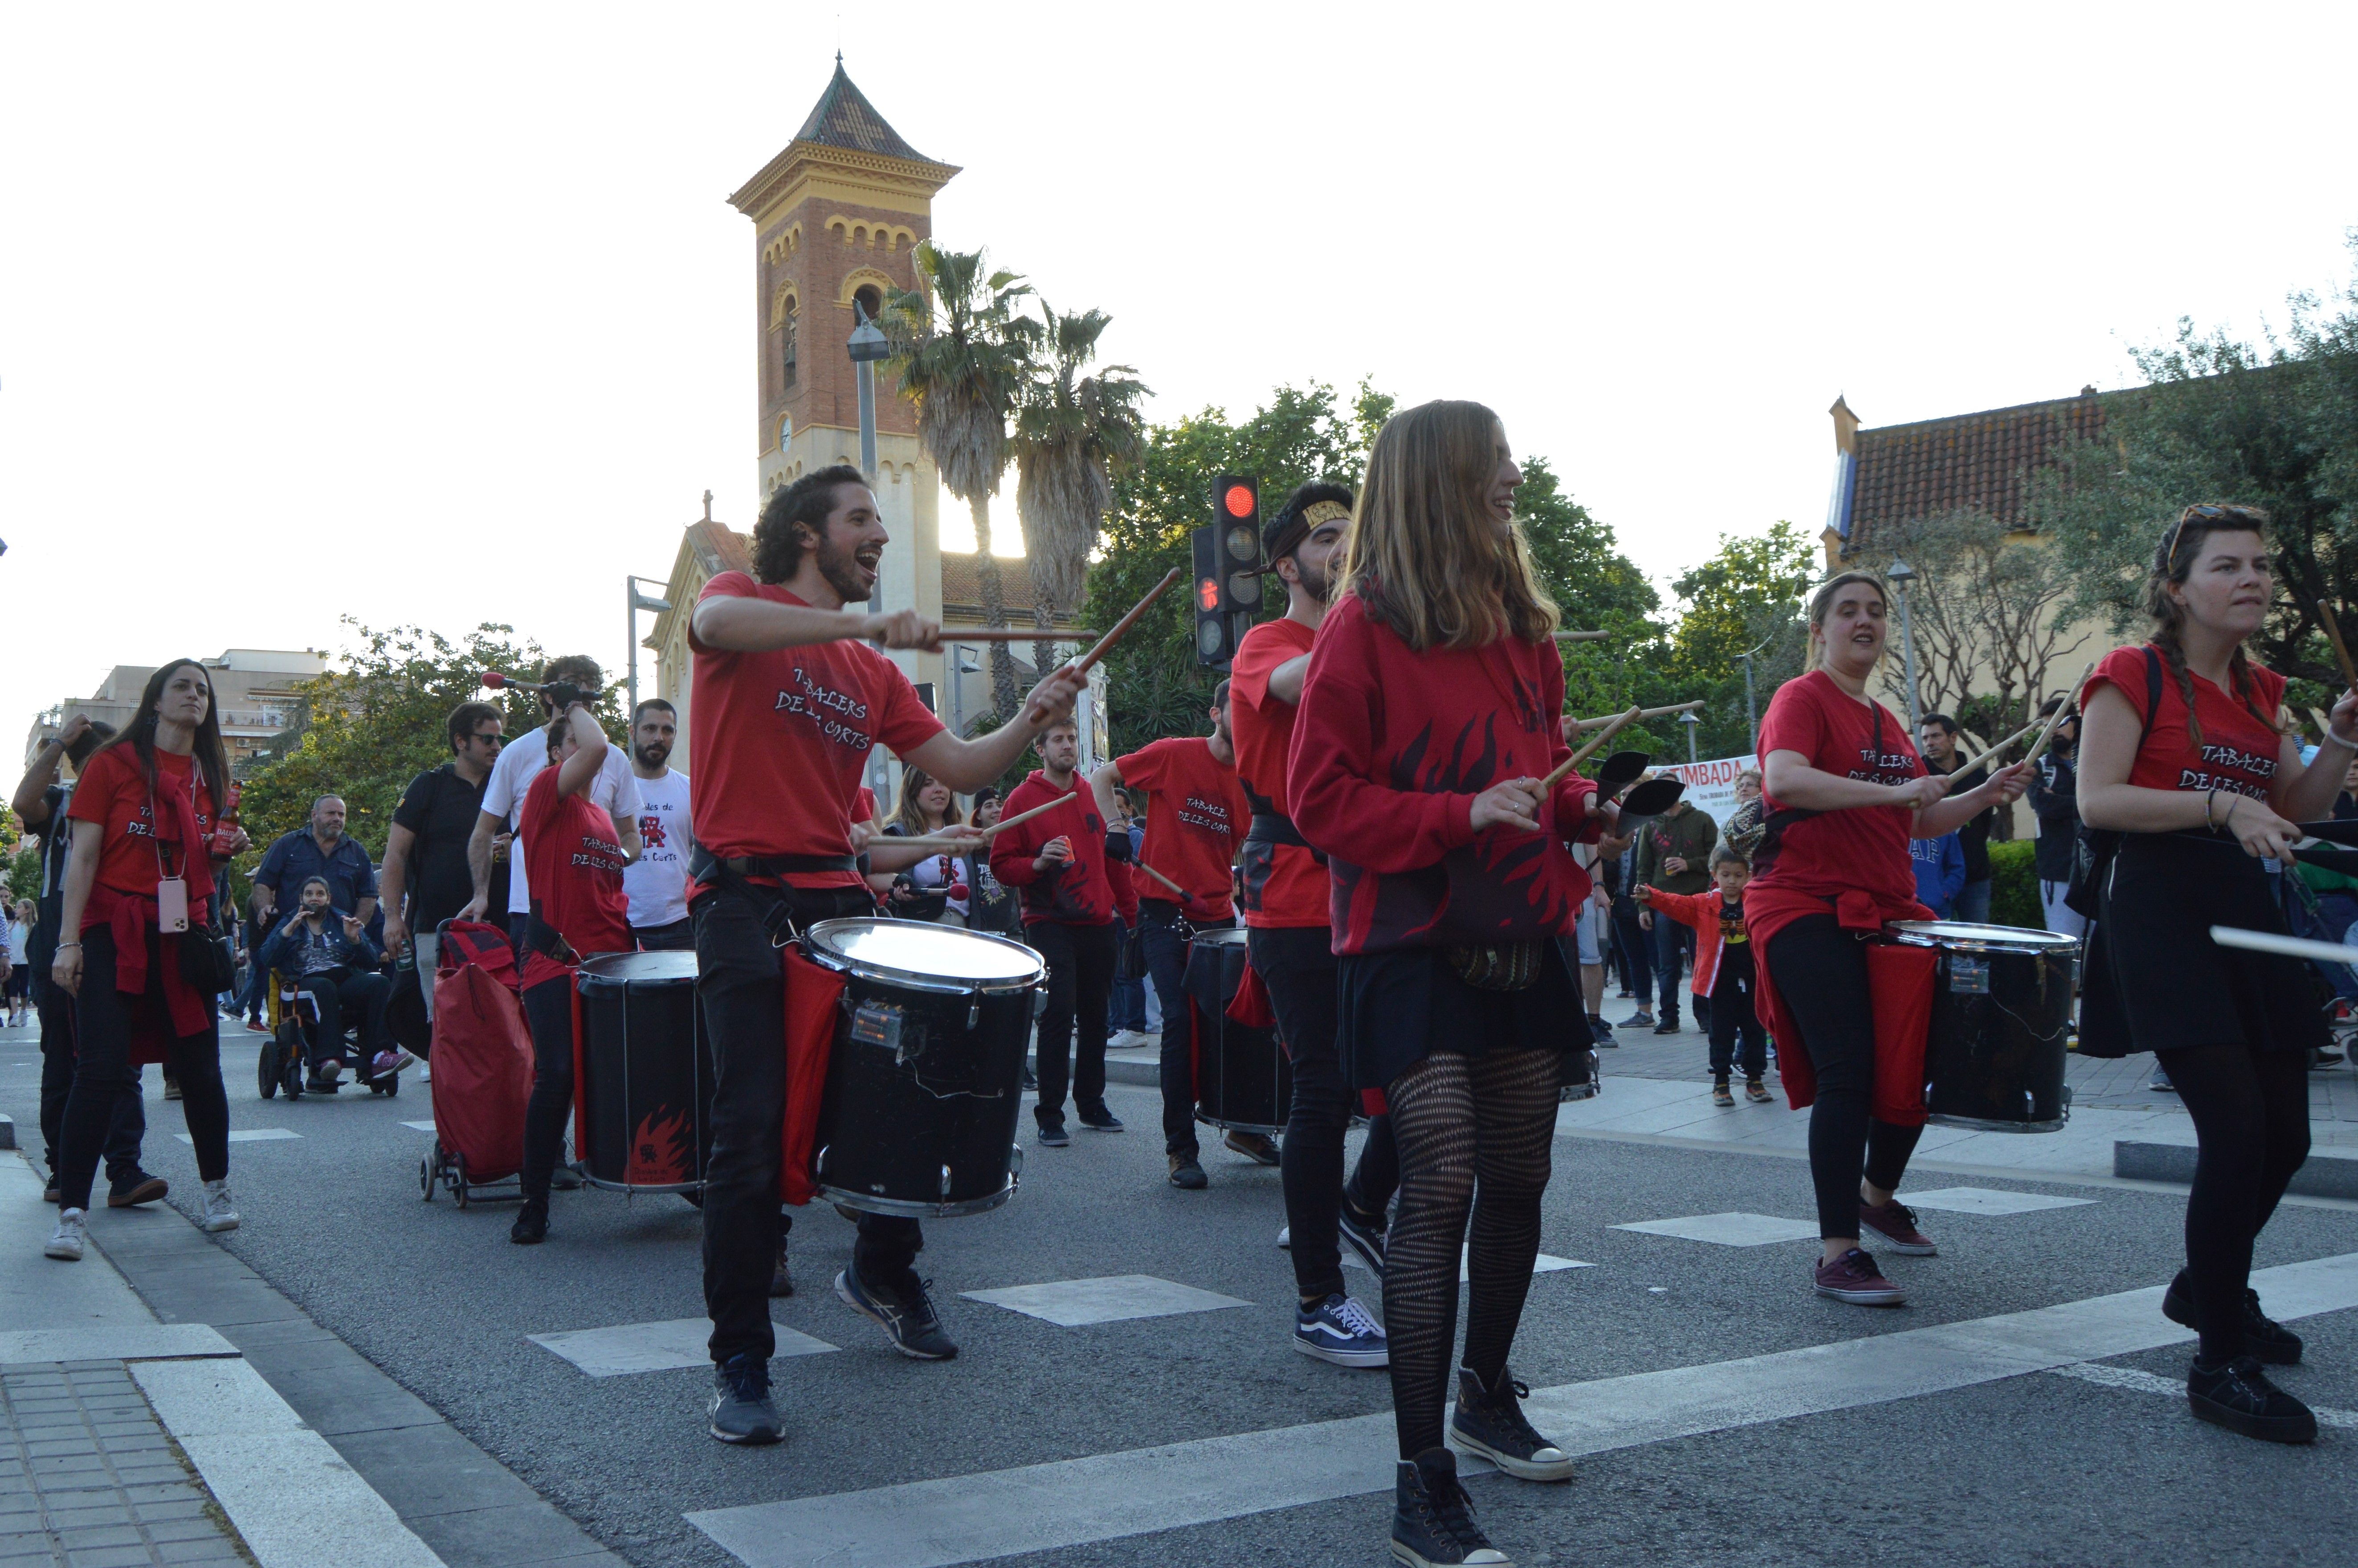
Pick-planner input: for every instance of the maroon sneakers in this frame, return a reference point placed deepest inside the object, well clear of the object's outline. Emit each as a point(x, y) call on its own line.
point(1853, 1278)
point(1896, 1222)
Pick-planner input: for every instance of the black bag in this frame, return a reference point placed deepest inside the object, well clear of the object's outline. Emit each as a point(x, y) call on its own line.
point(2093, 848)
point(207, 962)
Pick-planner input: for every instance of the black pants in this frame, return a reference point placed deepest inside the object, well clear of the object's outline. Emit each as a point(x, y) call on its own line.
point(341, 999)
point(1821, 974)
point(128, 1127)
point(1164, 936)
point(549, 1011)
point(740, 985)
point(1733, 1016)
point(679, 936)
point(1635, 945)
point(1080, 982)
point(1298, 967)
point(2251, 1127)
point(105, 1020)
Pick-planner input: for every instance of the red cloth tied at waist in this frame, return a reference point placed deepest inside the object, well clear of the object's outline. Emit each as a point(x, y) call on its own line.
point(128, 918)
point(814, 994)
point(1900, 993)
point(1250, 1006)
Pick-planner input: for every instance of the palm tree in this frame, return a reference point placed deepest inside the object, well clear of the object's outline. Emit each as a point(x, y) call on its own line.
point(962, 354)
point(1071, 431)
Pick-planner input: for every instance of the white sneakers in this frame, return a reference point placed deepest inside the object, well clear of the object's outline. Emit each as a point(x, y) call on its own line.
point(221, 1209)
point(65, 1243)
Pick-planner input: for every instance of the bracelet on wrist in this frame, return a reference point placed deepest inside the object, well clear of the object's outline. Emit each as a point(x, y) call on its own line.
point(63, 946)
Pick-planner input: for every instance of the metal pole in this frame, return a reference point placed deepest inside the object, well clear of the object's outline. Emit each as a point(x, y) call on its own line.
point(630, 634)
point(1751, 714)
point(1908, 650)
point(868, 460)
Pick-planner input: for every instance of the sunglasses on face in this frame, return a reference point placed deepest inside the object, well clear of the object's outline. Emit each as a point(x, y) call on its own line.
point(490, 740)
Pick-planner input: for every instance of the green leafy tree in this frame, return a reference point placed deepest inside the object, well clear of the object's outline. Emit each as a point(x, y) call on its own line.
point(962, 354)
point(2226, 421)
point(25, 874)
point(377, 719)
point(1071, 432)
point(1746, 596)
point(1155, 686)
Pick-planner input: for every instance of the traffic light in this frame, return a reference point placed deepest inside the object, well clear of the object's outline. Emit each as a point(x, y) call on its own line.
point(1228, 568)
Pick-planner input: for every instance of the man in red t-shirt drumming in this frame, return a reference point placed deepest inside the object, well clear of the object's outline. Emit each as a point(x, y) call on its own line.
point(1287, 923)
point(789, 701)
point(1196, 816)
point(1057, 863)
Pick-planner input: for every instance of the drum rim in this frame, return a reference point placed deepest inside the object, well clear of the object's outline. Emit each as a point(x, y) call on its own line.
point(587, 971)
point(2016, 938)
point(862, 969)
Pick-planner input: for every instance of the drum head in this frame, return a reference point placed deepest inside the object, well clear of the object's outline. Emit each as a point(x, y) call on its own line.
point(1233, 936)
point(1964, 936)
point(640, 968)
point(942, 958)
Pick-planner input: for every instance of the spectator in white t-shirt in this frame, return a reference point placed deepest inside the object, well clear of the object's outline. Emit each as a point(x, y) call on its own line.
point(574, 677)
point(657, 880)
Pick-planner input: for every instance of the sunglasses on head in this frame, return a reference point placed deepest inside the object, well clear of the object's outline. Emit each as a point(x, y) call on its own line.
point(2248, 515)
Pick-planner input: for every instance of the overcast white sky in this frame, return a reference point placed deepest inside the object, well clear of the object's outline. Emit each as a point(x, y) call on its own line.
point(438, 314)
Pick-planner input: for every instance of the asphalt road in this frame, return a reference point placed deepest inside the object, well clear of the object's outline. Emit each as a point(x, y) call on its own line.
point(2037, 1469)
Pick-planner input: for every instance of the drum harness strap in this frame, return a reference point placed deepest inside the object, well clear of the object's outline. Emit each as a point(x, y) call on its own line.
point(777, 916)
point(1270, 825)
point(547, 940)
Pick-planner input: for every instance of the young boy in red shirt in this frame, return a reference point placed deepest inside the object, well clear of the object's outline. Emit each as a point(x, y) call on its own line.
point(1723, 971)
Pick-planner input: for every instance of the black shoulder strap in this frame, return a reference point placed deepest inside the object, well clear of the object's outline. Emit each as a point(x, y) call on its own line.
point(2152, 694)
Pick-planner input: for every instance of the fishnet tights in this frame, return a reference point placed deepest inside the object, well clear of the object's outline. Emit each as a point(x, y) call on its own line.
point(1458, 1118)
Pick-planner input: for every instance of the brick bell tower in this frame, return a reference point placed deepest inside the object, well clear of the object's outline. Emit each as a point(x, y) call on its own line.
point(836, 218)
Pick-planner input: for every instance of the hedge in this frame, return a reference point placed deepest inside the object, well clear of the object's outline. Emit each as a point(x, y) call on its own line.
point(2014, 884)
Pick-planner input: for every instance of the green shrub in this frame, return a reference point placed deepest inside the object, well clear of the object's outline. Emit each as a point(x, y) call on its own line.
point(2014, 884)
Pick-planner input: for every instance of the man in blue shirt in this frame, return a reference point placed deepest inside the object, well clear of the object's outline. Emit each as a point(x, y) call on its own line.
point(1940, 872)
point(318, 850)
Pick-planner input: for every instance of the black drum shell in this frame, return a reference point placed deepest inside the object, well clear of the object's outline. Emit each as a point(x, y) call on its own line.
point(1243, 1081)
point(1995, 1056)
point(646, 1085)
point(943, 1091)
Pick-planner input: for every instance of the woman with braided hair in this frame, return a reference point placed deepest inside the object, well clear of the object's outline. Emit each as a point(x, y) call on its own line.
point(2183, 759)
point(1430, 712)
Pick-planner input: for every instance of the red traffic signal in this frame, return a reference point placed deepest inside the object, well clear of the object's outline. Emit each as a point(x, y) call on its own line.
point(1239, 497)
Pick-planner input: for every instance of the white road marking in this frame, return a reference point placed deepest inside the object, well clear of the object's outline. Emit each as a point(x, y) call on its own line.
point(1117, 1298)
point(256, 1135)
point(1729, 1229)
point(1986, 1200)
point(419, 1126)
point(1545, 1263)
point(2139, 1381)
point(1040, 1507)
point(656, 1347)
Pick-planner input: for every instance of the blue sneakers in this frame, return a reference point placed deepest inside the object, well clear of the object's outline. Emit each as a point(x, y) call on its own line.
point(1339, 1330)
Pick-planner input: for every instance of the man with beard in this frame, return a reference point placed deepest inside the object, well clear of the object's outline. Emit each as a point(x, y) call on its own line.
point(319, 851)
point(426, 881)
point(657, 881)
point(1288, 917)
point(790, 698)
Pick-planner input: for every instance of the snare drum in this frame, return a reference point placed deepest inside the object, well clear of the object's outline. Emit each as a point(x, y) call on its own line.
point(925, 1082)
point(1243, 1081)
point(2001, 1011)
point(645, 1085)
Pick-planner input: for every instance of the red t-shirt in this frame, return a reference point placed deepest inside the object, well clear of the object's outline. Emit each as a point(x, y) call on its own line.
point(781, 737)
point(1285, 885)
point(1195, 817)
point(114, 793)
point(2240, 750)
point(1832, 852)
point(1077, 893)
point(573, 860)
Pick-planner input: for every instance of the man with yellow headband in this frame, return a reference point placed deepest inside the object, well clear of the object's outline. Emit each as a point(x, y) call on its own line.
point(1288, 922)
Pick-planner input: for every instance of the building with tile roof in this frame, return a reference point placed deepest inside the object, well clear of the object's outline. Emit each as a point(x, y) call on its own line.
point(1962, 462)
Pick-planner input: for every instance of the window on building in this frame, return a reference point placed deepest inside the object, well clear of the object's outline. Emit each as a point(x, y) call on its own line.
point(787, 336)
point(871, 299)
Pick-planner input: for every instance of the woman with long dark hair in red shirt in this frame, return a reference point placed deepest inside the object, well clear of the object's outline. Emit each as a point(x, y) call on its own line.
point(1845, 792)
point(1430, 712)
point(2182, 757)
point(138, 887)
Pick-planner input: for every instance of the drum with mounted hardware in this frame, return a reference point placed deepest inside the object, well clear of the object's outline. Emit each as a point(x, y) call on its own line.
point(924, 1080)
point(1243, 1081)
point(643, 1090)
point(2001, 1015)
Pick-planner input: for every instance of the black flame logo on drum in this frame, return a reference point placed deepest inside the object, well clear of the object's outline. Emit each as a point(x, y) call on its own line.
point(662, 1150)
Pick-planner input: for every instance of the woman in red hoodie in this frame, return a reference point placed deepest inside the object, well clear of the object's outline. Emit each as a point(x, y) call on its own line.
point(1845, 793)
point(1430, 712)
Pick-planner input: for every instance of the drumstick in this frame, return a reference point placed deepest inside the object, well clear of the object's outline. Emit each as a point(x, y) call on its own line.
point(1013, 634)
point(936, 841)
point(1579, 724)
point(1556, 777)
point(2284, 946)
point(1582, 636)
point(2331, 623)
point(1122, 627)
point(2062, 708)
point(1966, 767)
point(1166, 882)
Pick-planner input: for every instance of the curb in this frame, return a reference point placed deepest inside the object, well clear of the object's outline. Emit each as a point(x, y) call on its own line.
point(2329, 1174)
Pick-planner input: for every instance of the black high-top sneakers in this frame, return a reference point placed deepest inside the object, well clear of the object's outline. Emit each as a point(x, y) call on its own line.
point(1432, 1519)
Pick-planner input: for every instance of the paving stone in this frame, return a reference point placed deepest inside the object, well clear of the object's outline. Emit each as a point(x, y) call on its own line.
point(89, 1514)
point(91, 1538)
point(178, 1553)
point(110, 1557)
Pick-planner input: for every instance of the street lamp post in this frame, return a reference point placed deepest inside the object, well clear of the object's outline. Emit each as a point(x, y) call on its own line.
point(1902, 574)
point(1689, 720)
point(868, 345)
point(638, 602)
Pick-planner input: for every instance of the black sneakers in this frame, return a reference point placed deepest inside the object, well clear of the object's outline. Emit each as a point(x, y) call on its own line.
point(2264, 1339)
point(138, 1187)
point(782, 1280)
point(1187, 1173)
point(1363, 1236)
point(741, 1411)
point(907, 1315)
point(2239, 1397)
point(1099, 1117)
point(1490, 1422)
point(1432, 1519)
point(531, 1227)
point(1053, 1136)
